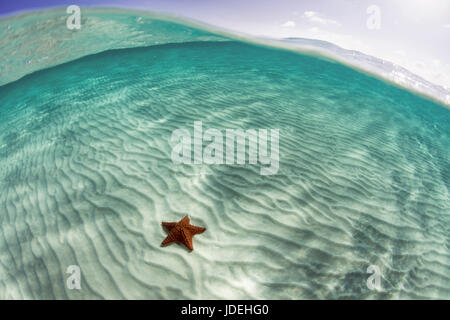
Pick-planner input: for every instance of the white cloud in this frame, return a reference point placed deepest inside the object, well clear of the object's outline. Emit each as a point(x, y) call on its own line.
point(315, 17)
point(288, 24)
point(447, 26)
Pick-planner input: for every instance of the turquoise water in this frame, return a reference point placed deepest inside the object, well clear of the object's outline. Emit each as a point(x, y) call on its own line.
point(87, 177)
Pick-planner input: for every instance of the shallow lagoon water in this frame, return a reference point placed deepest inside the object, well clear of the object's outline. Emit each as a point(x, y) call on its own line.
point(86, 177)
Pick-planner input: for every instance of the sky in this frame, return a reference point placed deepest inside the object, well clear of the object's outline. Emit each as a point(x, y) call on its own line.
point(412, 33)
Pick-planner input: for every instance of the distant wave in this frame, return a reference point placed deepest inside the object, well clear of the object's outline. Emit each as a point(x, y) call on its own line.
point(39, 39)
point(383, 68)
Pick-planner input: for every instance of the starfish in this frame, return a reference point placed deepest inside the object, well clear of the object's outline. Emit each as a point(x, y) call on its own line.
point(181, 231)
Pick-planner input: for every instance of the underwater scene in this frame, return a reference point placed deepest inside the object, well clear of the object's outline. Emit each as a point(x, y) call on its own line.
point(111, 130)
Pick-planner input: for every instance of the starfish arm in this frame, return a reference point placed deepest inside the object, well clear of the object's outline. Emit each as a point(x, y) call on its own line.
point(187, 239)
point(169, 225)
point(185, 221)
point(195, 230)
point(169, 239)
